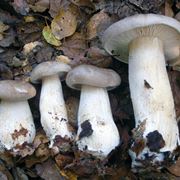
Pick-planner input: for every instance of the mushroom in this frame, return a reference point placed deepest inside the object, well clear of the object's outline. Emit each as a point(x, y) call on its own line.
point(97, 133)
point(145, 42)
point(17, 126)
point(52, 106)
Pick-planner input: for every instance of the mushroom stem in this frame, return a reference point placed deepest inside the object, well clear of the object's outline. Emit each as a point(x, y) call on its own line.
point(53, 110)
point(17, 126)
point(97, 131)
point(151, 92)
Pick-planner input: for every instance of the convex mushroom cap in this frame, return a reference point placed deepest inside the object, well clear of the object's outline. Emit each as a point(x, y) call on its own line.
point(92, 76)
point(16, 90)
point(49, 68)
point(118, 36)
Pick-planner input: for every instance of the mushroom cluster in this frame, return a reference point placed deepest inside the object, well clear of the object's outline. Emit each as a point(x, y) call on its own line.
point(146, 42)
point(16, 121)
point(97, 133)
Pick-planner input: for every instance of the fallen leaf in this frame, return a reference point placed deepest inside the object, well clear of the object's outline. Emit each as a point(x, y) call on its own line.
point(74, 48)
point(94, 22)
point(3, 28)
point(49, 36)
point(56, 5)
point(69, 175)
point(175, 168)
point(19, 174)
point(40, 5)
point(63, 59)
point(8, 38)
point(63, 160)
point(21, 6)
point(98, 57)
point(168, 9)
point(64, 24)
point(5, 72)
point(49, 171)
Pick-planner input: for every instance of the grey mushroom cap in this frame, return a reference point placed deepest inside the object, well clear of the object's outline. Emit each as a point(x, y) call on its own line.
point(92, 76)
point(117, 37)
point(13, 90)
point(49, 68)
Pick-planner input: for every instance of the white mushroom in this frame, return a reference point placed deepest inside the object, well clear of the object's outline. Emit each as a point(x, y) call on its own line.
point(145, 42)
point(97, 132)
point(52, 106)
point(16, 121)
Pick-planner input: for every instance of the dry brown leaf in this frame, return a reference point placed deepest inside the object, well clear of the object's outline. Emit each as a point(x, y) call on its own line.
point(40, 5)
point(56, 5)
point(69, 175)
point(63, 160)
point(168, 9)
point(49, 171)
point(94, 22)
point(74, 47)
point(98, 57)
point(64, 24)
point(175, 168)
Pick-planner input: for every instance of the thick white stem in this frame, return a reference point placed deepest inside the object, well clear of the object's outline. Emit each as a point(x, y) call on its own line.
point(150, 90)
point(95, 109)
point(53, 110)
point(16, 124)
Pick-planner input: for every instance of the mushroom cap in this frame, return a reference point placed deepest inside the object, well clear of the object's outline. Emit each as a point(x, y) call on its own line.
point(118, 36)
point(92, 76)
point(13, 90)
point(49, 68)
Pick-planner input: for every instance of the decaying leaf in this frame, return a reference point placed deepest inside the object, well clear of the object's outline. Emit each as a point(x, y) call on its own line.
point(98, 57)
point(8, 38)
point(168, 9)
point(56, 5)
point(49, 36)
point(174, 169)
point(94, 22)
point(63, 59)
point(21, 6)
point(40, 5)
point(69, 175)
point(49, 171)
point(64, 24)
point(3, 28)
point(74, 48)
point(63, 160)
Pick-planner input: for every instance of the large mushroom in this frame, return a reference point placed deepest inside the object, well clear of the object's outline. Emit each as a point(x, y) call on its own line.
point(16, 121)
point(53, 112)
point(146, 42)
point(97, 133)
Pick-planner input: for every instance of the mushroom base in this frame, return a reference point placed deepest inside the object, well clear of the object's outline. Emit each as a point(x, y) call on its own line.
point(97, 132)
point(17, 126)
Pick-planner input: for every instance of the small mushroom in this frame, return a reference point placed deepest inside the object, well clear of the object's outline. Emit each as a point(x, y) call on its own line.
point(17, 126)
point(97, 132)
point(146, 42)
point(52, 106)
